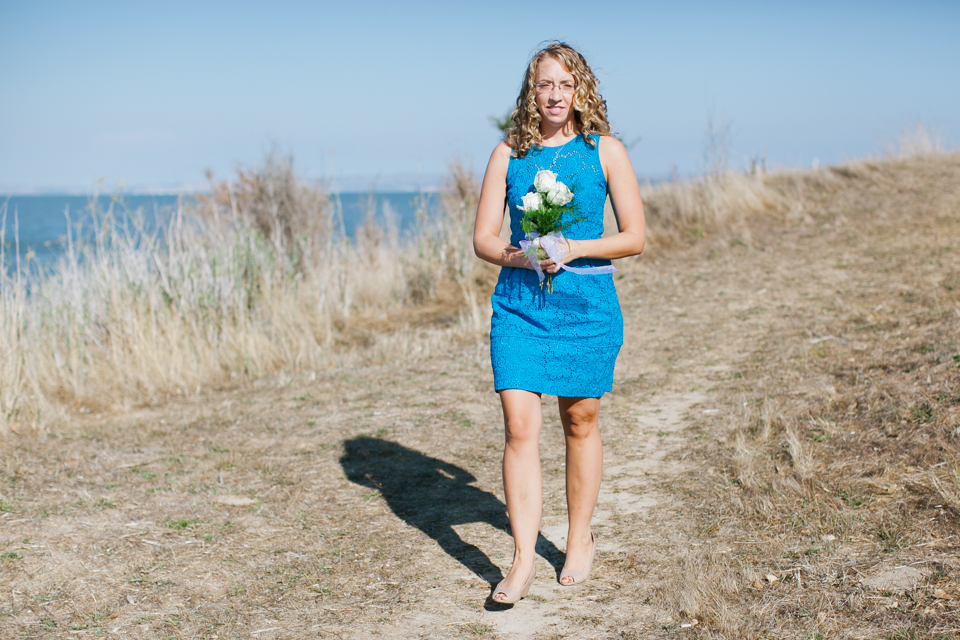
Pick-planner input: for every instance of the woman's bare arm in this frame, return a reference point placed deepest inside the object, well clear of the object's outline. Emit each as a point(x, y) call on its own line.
point(625, 195)
point(493, 199)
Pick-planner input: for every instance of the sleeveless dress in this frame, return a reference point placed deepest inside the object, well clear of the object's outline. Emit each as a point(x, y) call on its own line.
point(563, 343)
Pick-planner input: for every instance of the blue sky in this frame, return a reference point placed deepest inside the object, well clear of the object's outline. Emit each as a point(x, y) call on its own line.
point(153, 94)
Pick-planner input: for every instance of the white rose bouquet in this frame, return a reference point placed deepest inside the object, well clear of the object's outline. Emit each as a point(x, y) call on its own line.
point(543, 221)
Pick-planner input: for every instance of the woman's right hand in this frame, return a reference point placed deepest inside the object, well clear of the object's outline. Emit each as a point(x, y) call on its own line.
point(487, 243)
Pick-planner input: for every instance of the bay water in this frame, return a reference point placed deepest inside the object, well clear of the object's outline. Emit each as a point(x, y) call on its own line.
point(40, 221)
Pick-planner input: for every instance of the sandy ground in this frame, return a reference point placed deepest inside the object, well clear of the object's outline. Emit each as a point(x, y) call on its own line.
point(365, 501)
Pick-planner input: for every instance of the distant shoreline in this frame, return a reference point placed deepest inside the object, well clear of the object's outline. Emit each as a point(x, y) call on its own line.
point(341, 186)
point(77, 193)
point(41, 222)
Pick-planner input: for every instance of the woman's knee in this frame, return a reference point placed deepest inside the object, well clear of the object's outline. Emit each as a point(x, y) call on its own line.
point(521, 416)
point(581, 419)
point(581, 430)
point(520, 431)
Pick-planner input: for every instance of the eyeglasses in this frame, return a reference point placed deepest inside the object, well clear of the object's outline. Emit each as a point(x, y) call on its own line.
point(566, 88)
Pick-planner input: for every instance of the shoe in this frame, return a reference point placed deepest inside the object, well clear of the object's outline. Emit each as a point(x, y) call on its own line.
point(579, 576)
point(514, 595)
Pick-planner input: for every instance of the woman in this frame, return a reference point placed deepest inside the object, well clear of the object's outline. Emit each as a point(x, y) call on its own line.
point(562, 343)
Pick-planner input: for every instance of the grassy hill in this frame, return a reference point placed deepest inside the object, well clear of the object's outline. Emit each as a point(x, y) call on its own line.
point(781, 443)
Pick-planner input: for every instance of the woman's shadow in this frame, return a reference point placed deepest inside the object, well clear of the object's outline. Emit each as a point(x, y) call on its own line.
point(433, 495)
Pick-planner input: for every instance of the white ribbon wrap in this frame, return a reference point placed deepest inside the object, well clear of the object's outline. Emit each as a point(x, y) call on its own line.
point(555, 245)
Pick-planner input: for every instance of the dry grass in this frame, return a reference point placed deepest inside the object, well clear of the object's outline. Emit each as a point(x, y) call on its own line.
point(678, 212)
point(844, 457)
point(259, 278)
point(781, 459)
point(919, 140)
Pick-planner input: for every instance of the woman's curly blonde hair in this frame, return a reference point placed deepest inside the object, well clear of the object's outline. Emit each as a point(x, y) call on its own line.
point(589, 107)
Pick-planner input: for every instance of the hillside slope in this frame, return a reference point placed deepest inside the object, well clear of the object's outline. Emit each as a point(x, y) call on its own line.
point(781, 461)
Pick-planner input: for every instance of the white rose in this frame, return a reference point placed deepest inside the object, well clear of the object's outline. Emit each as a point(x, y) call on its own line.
point(531, 202)
point(559, 194)
point(544, 180)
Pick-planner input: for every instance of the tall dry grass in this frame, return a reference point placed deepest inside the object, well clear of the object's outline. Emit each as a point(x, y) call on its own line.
point(259, 277)
point(918, 140)
point(842, 457)
point(684, 210)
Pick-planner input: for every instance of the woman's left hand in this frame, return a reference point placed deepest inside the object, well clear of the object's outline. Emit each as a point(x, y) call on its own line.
point(549, 266)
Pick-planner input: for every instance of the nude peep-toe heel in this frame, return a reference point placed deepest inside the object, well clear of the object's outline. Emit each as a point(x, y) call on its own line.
point(579, 576)
point(514, 595)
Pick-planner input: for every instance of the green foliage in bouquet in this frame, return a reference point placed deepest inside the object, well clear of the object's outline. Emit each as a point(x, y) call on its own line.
point(544, 210)
point(548, 218)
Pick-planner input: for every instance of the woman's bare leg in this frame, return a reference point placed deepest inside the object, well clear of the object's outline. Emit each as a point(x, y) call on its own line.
point(522, 482)
point(581, 429)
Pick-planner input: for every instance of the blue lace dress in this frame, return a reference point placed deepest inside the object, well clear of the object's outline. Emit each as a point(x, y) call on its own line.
point(563, 343)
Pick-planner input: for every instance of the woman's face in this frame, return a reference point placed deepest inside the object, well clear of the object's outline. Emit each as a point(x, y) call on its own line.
point(555, 87)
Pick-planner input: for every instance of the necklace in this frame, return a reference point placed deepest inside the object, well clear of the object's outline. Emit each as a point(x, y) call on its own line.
point(556, 153)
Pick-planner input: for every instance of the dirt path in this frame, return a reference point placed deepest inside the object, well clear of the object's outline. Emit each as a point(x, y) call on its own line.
point(366, 501)
point(132, 531)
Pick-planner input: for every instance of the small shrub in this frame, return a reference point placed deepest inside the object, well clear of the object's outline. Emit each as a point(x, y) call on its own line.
point(921, 413)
